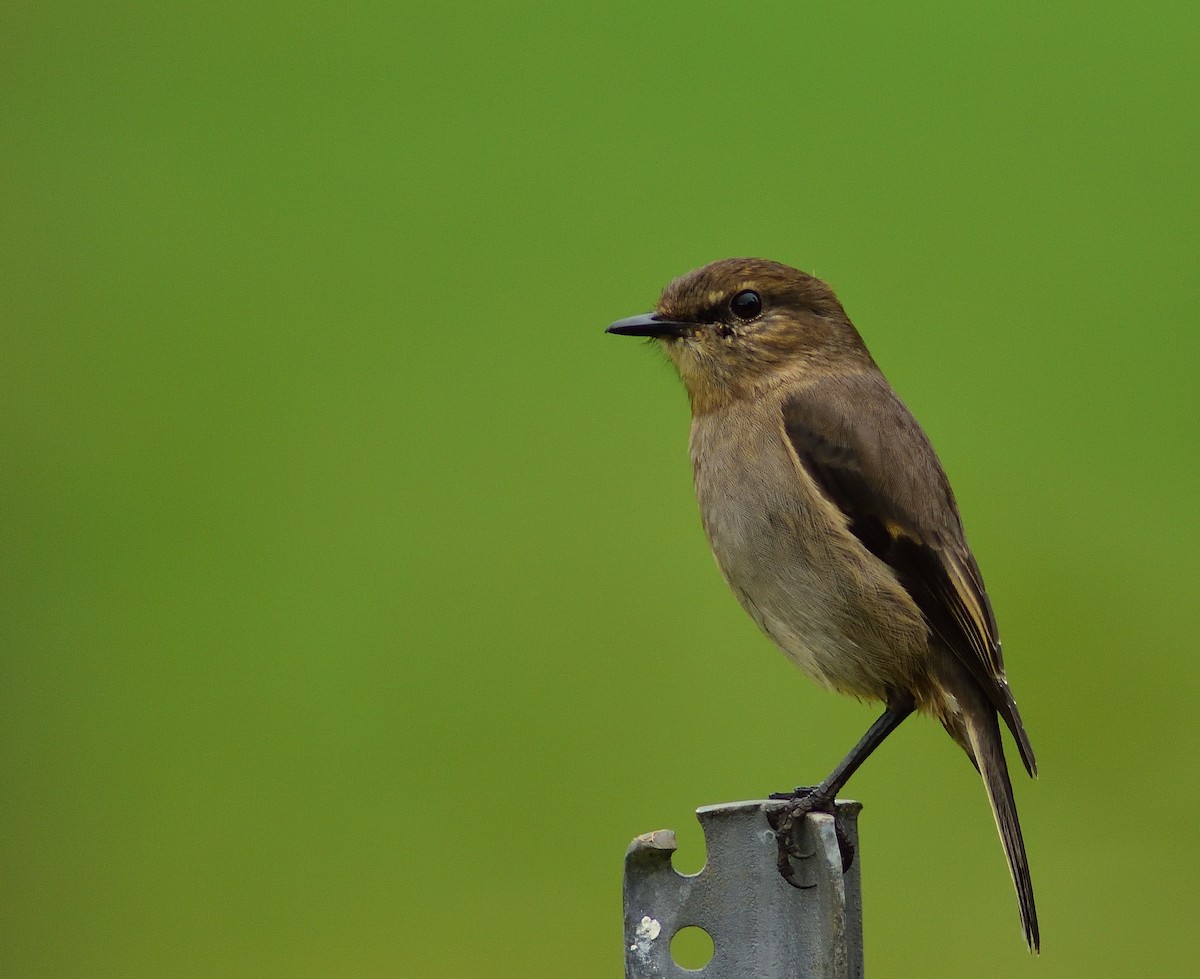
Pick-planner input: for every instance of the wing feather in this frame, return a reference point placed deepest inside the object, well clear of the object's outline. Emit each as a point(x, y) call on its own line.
point(872, 460)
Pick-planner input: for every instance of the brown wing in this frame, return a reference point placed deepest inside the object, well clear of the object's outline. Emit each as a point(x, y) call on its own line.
point(872, 460)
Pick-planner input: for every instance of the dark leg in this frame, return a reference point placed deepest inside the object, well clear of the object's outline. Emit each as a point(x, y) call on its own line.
point(803, 800)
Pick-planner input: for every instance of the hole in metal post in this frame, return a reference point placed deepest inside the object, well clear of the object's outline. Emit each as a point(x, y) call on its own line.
point(691, 947)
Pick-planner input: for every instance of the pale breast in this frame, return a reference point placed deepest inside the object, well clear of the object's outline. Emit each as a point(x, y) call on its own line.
point(823, 599)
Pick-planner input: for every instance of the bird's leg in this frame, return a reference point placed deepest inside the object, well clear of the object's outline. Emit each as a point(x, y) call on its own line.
point(886, 723)
point(804, 800)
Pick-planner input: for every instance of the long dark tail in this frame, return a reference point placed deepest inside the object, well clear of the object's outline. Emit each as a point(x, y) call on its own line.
point(984, 735)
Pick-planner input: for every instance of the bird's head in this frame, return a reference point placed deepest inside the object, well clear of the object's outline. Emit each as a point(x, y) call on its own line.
point(737, 326)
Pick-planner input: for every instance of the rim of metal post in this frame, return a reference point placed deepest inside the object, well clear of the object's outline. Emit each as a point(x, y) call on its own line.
point(760, 925)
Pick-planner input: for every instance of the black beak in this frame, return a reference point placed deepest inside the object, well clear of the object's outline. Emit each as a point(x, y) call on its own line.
point(650, 325)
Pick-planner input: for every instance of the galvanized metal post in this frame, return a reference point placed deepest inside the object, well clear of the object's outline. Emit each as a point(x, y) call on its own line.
point(761, 926)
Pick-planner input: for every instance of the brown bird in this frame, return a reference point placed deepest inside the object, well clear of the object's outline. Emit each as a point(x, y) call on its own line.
point(832, 521)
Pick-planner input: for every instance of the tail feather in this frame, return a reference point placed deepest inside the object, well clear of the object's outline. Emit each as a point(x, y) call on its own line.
point(984, 734)
point(1012, 717)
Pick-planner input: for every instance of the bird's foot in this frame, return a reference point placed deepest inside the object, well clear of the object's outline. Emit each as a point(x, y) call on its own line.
point(799, 792)
point(786, 822)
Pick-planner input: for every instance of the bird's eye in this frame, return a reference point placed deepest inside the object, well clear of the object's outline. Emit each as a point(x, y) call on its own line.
point(746, 305)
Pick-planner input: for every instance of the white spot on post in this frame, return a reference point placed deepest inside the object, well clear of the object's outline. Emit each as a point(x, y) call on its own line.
point(646, 932)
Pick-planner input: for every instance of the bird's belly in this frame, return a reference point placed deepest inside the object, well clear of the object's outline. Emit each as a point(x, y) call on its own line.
point(828, 627)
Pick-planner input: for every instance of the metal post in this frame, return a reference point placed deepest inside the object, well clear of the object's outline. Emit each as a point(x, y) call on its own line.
point(761, 926)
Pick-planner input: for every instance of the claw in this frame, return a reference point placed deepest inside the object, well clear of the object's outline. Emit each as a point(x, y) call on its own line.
point(845, 846)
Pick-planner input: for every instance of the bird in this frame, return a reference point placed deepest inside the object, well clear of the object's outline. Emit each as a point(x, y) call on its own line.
point(835, 526)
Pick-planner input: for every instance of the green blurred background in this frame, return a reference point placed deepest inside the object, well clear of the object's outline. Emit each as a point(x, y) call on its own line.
point(356, 611)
